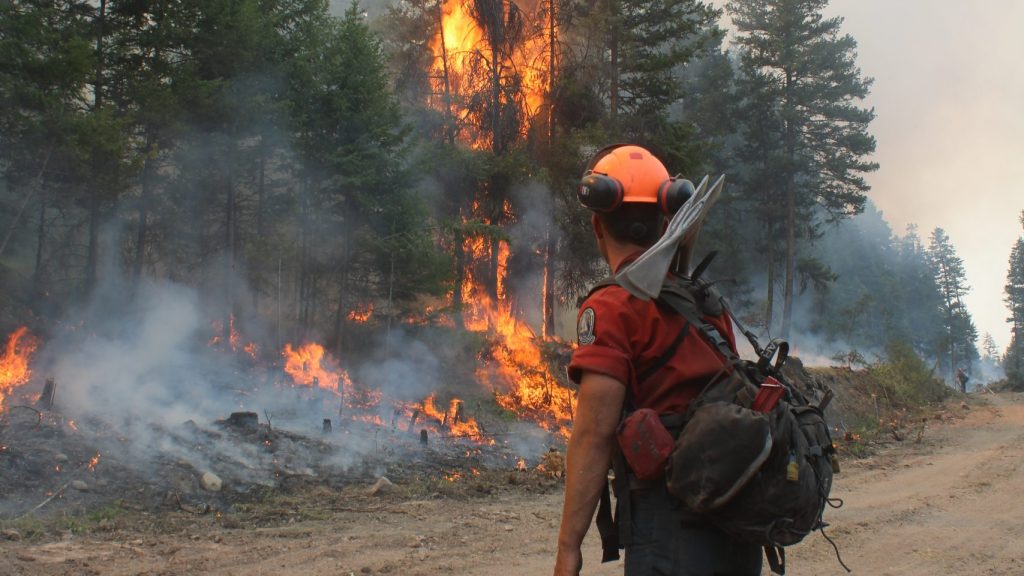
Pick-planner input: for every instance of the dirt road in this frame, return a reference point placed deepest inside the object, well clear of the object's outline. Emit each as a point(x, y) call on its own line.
point(947, 505)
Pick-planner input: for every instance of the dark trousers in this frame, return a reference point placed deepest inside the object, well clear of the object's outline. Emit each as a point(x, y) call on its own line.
point(670, 541)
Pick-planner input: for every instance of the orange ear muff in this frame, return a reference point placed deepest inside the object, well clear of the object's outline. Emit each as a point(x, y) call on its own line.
point(600, 192)
point(673, 193)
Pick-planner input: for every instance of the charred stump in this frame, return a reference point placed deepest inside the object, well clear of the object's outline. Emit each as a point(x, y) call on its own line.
point(244, 420)
point(45, 401)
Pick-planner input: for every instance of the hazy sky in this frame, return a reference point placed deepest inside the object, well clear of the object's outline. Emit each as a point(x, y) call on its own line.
point(948, 95)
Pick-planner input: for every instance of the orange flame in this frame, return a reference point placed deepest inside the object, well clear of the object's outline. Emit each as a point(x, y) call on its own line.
point(234, 338)
point(518, 374)
point(464, 68)
point(453, 419)
point(308, 365)
point(15, 363)
point(361, 316)
point(93, 462)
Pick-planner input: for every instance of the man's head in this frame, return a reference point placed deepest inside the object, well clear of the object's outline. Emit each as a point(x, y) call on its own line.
point(631, 193)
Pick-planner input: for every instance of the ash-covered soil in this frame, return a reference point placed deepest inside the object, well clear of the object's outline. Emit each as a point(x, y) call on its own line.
point(947, 503)
point(924, 491)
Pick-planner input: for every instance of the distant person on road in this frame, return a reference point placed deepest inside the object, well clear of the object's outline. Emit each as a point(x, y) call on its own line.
point(962, 378)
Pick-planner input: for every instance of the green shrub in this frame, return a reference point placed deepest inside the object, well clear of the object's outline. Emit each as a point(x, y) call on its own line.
point(907, 376)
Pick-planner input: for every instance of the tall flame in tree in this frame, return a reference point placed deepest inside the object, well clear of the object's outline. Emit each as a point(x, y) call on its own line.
point(490, 65)
point(14, 364)
point(516, 369)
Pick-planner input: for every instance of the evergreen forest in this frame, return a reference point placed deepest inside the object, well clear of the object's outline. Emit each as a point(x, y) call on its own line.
point(352, 174)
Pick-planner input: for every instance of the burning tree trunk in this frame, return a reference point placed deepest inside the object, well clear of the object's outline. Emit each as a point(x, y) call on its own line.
point(449, 124)
point(550, 241)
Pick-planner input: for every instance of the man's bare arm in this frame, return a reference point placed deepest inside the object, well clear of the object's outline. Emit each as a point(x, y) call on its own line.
point(587, 461)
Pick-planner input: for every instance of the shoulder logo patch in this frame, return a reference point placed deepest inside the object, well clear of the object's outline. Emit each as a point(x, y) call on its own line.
point(585, 327)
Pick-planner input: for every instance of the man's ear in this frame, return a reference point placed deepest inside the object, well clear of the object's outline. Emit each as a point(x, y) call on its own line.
point(598, 229)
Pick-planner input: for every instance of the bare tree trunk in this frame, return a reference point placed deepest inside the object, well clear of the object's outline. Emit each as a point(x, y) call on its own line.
point(92, 254)
point(261, 187)
point(790, 191)
point(147, 169)
point(37, 271)
point(613, 48)
point(144, 200)
point(550, 241)
point(769, 310)
point(94, 194)
point(787, 293)
point(230, 237)
point(301, 295)
point(343, 292)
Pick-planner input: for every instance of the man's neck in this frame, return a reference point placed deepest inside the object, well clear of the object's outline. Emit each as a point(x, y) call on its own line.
point(616, 253)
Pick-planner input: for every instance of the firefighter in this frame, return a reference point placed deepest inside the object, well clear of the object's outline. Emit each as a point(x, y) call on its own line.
point(621, 338)
point(962, 378)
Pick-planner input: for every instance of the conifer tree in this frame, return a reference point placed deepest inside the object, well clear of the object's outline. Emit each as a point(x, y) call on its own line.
point(807, 90)
point(1014, 290)
point(958, 345)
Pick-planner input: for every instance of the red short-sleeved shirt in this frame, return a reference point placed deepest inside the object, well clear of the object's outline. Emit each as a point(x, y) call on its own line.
point(621, 335)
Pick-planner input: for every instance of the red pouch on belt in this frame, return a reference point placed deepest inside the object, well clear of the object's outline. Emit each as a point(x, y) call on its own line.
point(645, 443)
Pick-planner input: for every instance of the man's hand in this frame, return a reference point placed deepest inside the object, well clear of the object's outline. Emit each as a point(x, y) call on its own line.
point(569, 562)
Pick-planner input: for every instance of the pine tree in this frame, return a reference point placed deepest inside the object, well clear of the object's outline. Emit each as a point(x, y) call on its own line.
point(989, 348)
point(1014, 290)
point(648, 46)
point(804, 88)
point(958, 345)
point(349, 129)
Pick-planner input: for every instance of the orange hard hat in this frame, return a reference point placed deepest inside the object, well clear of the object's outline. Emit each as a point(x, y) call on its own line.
point(628, 173)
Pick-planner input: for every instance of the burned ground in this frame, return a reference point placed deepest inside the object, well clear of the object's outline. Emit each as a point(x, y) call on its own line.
point(68, 481)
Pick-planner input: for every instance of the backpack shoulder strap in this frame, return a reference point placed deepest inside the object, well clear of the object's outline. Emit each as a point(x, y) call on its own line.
point(683, 297)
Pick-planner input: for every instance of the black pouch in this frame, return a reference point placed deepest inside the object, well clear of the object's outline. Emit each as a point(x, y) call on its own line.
point(719, 451)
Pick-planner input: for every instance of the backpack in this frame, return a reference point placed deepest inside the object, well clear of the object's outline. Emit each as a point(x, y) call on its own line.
point(760, 476)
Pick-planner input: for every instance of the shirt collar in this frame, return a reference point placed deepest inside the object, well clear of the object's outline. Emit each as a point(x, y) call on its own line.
point(629, 260)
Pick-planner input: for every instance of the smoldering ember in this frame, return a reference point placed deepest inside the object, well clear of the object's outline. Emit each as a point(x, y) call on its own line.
point(296, 286)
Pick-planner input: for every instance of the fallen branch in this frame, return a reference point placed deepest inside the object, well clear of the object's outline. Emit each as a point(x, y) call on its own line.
point(39, 415)
point(47, 501)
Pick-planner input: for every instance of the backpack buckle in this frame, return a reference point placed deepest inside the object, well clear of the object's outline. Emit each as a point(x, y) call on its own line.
point(777, 347)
